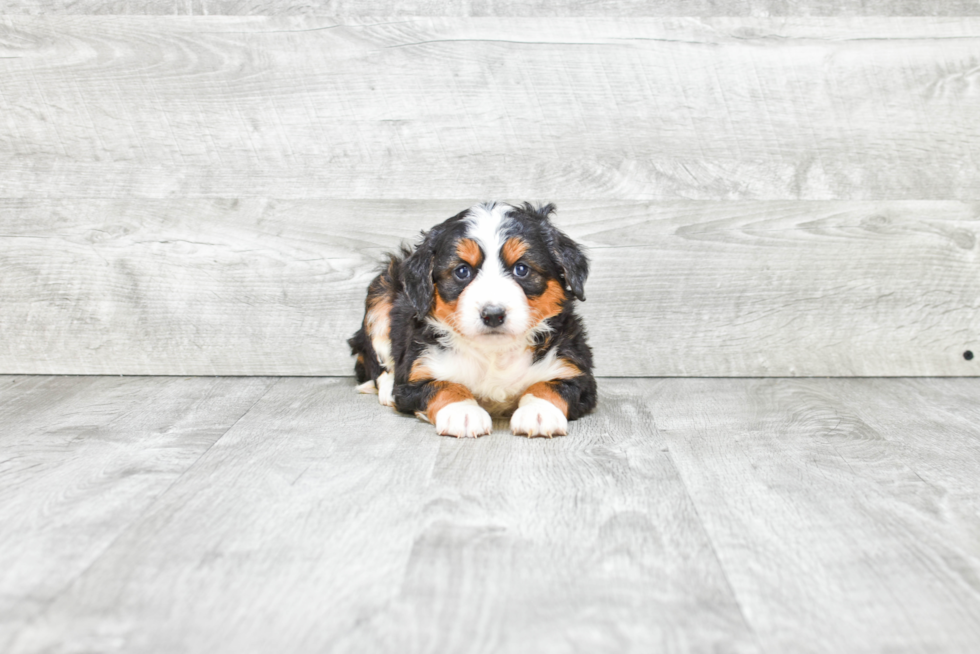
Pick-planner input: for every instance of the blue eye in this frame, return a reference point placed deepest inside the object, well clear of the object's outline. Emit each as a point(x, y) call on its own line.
point(521, 270)
point(462, 272)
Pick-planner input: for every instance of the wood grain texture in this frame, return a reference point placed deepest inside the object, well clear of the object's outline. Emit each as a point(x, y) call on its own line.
point(265, 287)
point(811, 493)
point(604, 8)
point(620, 564)
point(432, 108)
point(349, 528)
point(816, 515)
point(81, 459)
point(940, 444)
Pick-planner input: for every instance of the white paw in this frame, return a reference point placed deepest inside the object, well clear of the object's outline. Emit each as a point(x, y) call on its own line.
point(386, 386)
point(464, 419)
point(367, 387)
point(537, 417)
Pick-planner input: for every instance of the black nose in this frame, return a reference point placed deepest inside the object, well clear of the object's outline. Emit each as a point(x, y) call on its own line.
point(493, 316)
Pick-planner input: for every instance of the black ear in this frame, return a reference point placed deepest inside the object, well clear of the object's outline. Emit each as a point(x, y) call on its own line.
point(418, 280)
point(573, 262)
point(567, 254)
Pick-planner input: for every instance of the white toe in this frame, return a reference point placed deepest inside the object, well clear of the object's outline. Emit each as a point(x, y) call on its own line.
point(367, 387)
point(465, 419)
point(537, 417)
point(386, 387)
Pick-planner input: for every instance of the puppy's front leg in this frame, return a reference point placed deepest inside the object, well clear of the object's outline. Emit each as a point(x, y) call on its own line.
point(447, 405)
point(541, 412)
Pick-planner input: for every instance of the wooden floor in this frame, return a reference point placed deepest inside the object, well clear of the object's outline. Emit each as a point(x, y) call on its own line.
point(162, 514)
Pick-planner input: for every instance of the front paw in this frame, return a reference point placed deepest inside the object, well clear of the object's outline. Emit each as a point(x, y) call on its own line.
point(463, 419)
point(386, 386)
point(537, 417)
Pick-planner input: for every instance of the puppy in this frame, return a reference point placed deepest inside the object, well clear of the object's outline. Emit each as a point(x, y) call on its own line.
point(478, 321)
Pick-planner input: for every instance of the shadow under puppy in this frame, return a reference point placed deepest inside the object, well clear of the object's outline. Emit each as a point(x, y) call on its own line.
point(479, 319)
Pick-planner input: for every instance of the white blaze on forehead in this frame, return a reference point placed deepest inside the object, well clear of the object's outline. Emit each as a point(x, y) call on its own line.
point(492, 285)
point(485, 221)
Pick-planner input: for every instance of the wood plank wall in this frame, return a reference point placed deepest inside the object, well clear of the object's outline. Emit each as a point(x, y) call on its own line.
point(415, 8)
point(765, 188)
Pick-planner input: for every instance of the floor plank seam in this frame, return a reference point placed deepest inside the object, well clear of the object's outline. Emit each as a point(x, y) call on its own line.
point(714, 549)
point(846, 510)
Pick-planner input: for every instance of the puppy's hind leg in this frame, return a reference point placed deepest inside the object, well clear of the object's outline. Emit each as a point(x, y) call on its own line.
point(366, 368)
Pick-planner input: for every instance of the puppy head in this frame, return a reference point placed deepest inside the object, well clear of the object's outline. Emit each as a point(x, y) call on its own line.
point(495, 272)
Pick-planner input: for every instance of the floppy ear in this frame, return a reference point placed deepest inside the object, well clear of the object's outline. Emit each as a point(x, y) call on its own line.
point(573, 262)
point(568, 255)
point(419, 284)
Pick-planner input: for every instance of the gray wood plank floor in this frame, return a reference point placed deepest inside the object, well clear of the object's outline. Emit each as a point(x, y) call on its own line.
point(252, 514)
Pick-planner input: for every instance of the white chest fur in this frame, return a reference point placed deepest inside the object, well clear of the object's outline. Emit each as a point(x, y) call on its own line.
point(496, 377)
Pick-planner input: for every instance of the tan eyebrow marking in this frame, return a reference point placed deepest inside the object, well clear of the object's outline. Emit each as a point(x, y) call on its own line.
point(513, 250)
point(468, 250)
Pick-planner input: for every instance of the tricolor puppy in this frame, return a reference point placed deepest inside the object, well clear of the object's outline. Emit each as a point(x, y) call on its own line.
point(479, 320)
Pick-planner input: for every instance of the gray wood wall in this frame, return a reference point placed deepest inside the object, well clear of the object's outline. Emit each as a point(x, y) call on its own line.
point(765, 188)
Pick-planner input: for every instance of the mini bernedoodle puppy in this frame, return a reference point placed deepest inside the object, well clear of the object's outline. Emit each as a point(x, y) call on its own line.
point(479, 320)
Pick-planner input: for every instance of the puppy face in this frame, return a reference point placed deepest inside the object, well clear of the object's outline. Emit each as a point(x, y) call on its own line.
point(495, 272)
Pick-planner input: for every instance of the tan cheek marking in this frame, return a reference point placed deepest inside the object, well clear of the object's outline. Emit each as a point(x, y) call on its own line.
point(420, 372)
point(549, 303)
point(545, 391)
point(445, 311)
point(513, 250)
point(447, 393)
point(468, 250)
